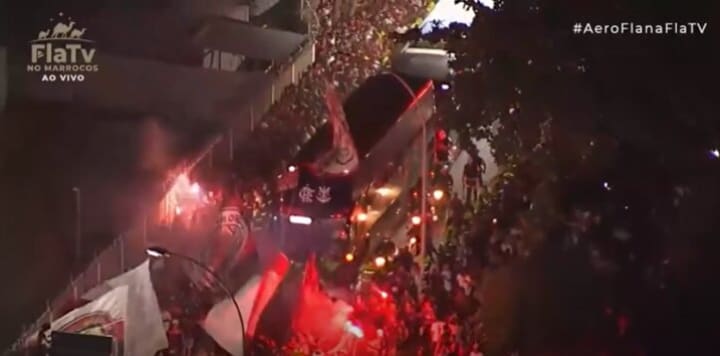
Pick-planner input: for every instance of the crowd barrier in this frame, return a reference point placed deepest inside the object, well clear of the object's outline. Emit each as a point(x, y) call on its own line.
point(129, 249)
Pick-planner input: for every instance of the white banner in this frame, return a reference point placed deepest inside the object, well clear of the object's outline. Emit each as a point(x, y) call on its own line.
point(104, 316)
point(145, 333)
point(222, 323)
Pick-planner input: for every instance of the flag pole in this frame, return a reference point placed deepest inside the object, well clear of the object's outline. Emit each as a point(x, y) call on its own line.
point(423, 202)
point(423, 184)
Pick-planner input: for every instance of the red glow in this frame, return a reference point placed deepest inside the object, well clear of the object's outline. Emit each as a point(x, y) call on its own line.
point(421, 94)
point(383, 294)
point(441, 134)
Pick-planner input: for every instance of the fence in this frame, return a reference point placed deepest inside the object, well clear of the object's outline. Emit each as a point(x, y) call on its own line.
point(129, 249)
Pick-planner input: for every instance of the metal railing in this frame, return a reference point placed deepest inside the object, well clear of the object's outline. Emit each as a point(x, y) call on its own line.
point(128, 249)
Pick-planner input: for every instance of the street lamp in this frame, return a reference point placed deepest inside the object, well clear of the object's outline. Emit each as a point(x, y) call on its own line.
point(160, 252)
point(423, 179)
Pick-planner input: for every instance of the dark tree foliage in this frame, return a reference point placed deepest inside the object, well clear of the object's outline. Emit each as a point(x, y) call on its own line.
point(620, 126)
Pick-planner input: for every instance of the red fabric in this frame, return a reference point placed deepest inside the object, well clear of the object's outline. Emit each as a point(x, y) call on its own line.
point(288, 181)
point(269, 283)
point(440, 135)
point(311, 279)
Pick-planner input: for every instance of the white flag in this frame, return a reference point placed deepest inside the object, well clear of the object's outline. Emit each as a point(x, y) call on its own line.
point(145, 332)
point(222, 323)
point(105, 316)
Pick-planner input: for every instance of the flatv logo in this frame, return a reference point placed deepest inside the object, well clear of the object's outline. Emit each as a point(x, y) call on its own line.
point(61, 52)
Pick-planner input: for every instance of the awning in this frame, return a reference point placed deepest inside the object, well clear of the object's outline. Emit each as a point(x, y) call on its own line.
point(248, 40)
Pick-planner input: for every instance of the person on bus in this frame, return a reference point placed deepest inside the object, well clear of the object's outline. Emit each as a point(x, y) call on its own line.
point(472, 178)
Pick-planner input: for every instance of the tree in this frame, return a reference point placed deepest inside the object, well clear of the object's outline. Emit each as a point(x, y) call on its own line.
point(620, 126)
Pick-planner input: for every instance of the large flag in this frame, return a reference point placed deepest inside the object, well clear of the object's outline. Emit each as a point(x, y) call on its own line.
point(343, 156)
point(269, 284)
point(320, 317)
point(223, 324)
point(311, 277)
point(145, 332)
point(104, 316)
point(232, 242)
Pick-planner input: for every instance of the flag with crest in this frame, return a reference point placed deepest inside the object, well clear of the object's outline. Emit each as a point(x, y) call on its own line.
point(342, 157)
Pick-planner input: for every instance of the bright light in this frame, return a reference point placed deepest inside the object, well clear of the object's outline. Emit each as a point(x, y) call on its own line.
point(380, 261)
point(413, 240)
point(353, 330)
point(292, 169)
point(178, 210)
point(444, 86)
point(349, 257)
point(494, 220)
point(362, 217)
point(447, 11)
point(384, 191)
point(435, 218)
point(300, 220)
point(438, 194)
point(415, 220)
point(383, 294)
point(195, 188)
point(606, 185)
point(156, 252)
point(715, 152)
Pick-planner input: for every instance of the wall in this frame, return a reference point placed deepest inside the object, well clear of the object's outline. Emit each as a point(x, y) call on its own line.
point(178, 92)
point(3, 78)
point(232, 9)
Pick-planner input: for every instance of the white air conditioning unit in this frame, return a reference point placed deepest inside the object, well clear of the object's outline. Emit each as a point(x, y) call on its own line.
point(424, 63)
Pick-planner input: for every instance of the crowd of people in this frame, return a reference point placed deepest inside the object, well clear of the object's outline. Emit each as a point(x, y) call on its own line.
point(435, 310)
point(350, 47)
